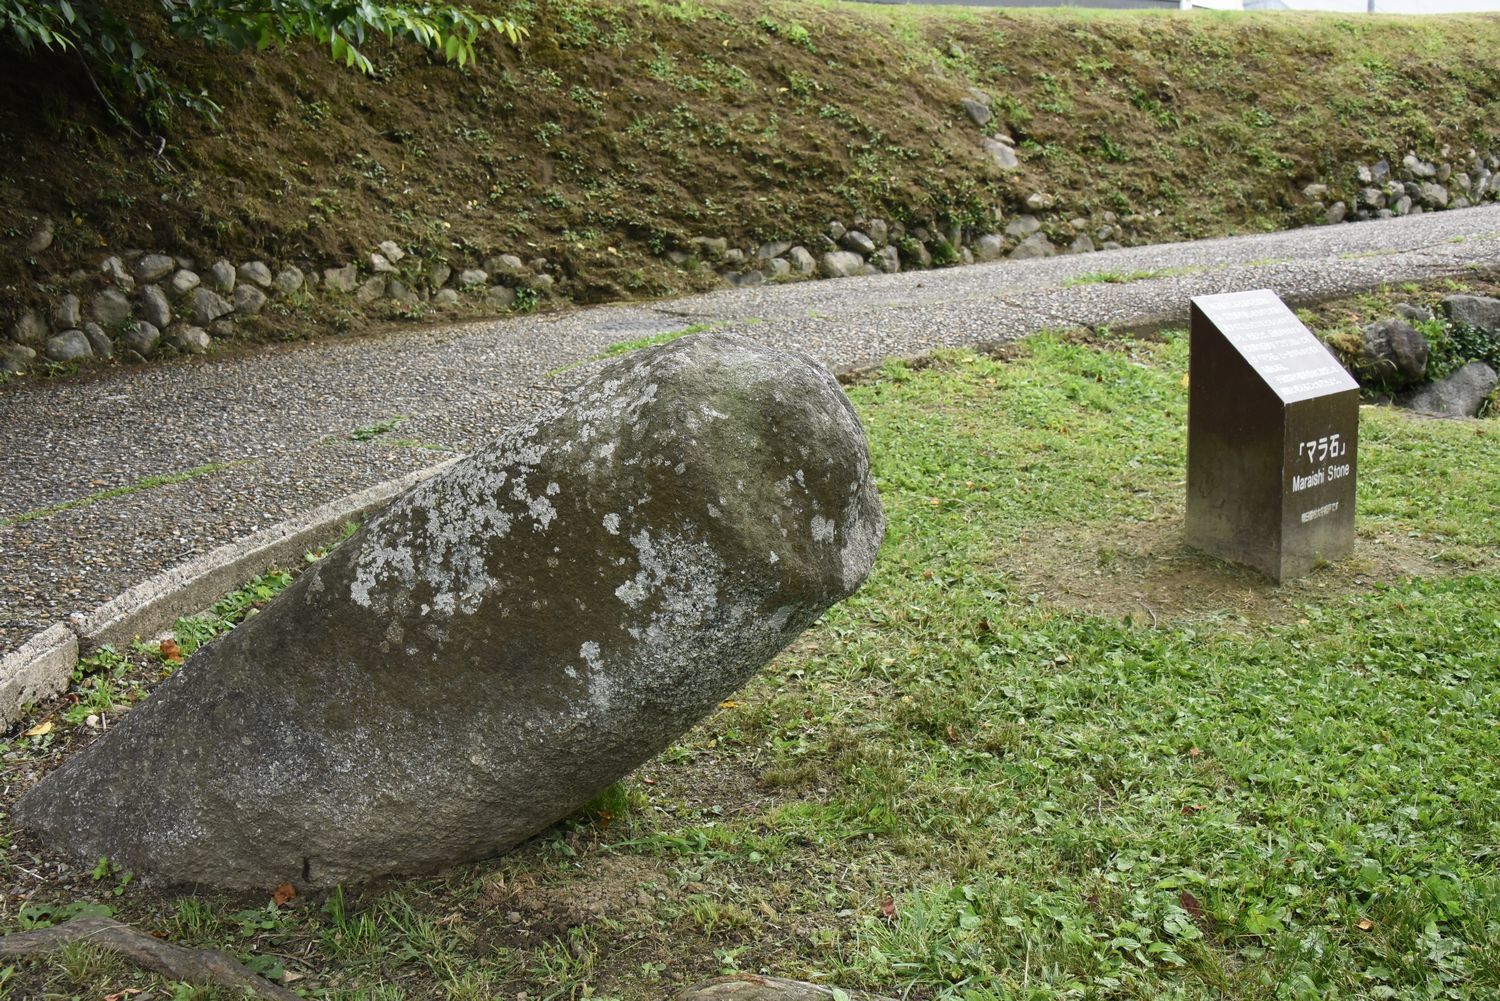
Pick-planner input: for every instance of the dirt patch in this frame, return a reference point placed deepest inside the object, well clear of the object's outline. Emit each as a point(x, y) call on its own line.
point(1144, 571)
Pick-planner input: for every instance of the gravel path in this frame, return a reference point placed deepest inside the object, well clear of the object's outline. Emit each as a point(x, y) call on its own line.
point(274, 426)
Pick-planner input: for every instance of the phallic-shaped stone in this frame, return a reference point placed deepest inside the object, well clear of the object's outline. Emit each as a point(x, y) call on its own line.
point(502, 642)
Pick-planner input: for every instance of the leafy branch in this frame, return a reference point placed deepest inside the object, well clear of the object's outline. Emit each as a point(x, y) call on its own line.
point(108, 44)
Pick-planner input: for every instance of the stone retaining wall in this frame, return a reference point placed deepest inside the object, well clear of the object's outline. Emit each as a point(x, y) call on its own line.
point(140, 304)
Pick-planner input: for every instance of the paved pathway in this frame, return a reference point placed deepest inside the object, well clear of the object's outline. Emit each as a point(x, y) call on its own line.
point(278, 421)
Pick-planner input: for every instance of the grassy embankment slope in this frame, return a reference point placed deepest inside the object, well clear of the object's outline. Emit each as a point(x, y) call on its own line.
point(620, 130)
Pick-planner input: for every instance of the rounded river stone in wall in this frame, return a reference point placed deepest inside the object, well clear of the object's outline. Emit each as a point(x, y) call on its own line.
point(502, 642)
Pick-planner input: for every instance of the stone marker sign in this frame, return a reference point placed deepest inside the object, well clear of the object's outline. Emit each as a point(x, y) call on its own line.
point(502, 642)
point(1273, 422)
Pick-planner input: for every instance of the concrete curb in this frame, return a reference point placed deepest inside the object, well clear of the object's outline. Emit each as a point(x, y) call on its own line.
point(40, 667)
point(43, 666)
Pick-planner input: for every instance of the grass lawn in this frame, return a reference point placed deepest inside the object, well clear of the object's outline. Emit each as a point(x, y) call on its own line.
point(1045, 753)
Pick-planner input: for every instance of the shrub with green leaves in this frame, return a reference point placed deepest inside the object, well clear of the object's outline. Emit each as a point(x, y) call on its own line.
point(1456, 345)
point(111, 46)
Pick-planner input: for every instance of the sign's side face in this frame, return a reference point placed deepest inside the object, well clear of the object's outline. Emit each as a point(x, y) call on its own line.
point(1318, 481)
point(1235, 434)
point(1277, 345)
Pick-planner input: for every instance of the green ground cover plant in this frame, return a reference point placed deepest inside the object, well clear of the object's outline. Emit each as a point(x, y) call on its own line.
point(1045, 753)
point(145, 483)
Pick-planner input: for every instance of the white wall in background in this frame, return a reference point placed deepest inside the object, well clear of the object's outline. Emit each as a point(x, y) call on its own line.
point(1381, 6)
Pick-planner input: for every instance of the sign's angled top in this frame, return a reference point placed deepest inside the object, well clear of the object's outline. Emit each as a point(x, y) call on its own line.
point(1287, 356)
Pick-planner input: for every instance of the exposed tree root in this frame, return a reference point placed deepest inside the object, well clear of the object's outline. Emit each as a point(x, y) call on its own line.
point(204, 967)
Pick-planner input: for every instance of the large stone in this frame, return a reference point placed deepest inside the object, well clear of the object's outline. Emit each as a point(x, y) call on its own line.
point(140, 337)
point(114, 271)
point(1023, 226)
point(183, 282)
point(70, 345)
point(1478, 311)
point(221, 277)
point(1418, 168)
point(1434, 196)
point(288, 280)
point(110, 308)
point(839, 264)
point(802, 261)
point(154, 306)
point(341, 279)
point(30, 328)
point(256, 273)
point(509, 266)
point(501, 643)
point(775, 248)
point(978, 112)
point(745, 279)
point(191, 340)
point(41, 238)
point(989, 247)
point(1001, 154)
point(887, 259)
point(154, 267)
point(15, 359)
point(248, 300)
point(1035, 245)
point(710, 247)
point(858, 242)
point(99, 340)
point(374, 288)
point(67, 313)
point(1395, 353)
point(205, 306)
point(1459, 395)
